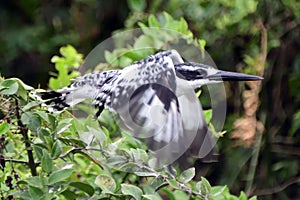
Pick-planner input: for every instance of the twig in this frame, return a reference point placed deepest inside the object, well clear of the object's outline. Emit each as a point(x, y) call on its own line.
point(253, 163)
point(285, 149)
point(190, 191)
point(16, 161)
point(278, 188)
point(259, 130)
point(24, 132)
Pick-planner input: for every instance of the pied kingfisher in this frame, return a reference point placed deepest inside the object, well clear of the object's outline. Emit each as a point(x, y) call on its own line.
point(153, 101)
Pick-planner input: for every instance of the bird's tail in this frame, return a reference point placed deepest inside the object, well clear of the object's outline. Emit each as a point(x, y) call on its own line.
point(83, 88)
point(71, 95)
point(55, 99)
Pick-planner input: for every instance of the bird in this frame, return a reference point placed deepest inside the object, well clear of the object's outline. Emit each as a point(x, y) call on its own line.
point(155, 100)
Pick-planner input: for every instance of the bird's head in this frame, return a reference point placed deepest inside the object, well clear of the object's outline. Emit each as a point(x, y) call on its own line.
point(198, 74)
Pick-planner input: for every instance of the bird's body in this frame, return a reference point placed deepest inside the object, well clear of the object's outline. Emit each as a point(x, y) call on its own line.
point(154, 98)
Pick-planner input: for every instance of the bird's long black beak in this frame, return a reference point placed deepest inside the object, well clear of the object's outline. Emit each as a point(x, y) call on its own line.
point(233, 76)
point(196, 71)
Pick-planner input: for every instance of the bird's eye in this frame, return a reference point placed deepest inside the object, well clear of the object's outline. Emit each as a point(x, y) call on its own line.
point(202, 72)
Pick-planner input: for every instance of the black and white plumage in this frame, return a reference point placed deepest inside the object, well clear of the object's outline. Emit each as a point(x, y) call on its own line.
point(155, 100)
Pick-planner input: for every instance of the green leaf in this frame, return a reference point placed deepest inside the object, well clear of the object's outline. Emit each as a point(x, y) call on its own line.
point(217, 191)
point(183, 26)
point(70, 60)
point(207, 115)
point(169, 193)
point(22, 84)
point(30, 105)
point(243, 196)
point(106, 182)
point(59, 175)
point(38, 151)
point(116, 160)
point(4, 127)
point(69, 195)
point(55, 59)
point(83, 187)
point(31, 120)
point(253, 198)
point(42, 115)
point(124, 61)
point(9, 87)
point(187, 175)
point(162, 185)
point(34, 181)
point(146, 174)
point(46, 162)
point(133, 55)
point(131, 190)
point(173, 183)
point(202, 44)
point(25, 117)
point(137, 5)
point(86, 137)
point(203, 186)
point(24, 195)
point(144, 42)
point(295, 123)
point(152, 21)
point(151, 197)
point(56, 149)
point(130, 167)
point(68, 51)
point(180, 195)
point(147, 189)
point(110, 57)
point(35, 192)
point(99, 135)
point(139, 155)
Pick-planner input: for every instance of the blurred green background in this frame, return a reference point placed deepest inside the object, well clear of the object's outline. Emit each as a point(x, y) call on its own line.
point(32, 31)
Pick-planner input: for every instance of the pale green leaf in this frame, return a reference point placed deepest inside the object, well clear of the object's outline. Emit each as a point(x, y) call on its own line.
point(9, 87)
point(4, 127)
point(106, 182)
point(180, 195)
point(131, 190)
point(151, 197)
point(116, 160)
point(172, 183)
point(35, 192)
point(203, 186)
point(187, 175)
point(145, 174)
point(59, 175)
point(152, 21)
point(207, 115)
point(137, 5)
point(46, 162)
point(56, 149)
point(242, 196)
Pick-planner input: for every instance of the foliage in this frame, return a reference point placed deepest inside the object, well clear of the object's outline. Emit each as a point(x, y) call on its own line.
point(65, 67)
point(55, 155)
point(46, 156)
point(156, 35)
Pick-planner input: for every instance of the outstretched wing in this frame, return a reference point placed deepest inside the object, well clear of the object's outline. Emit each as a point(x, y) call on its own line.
point(145, 96)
